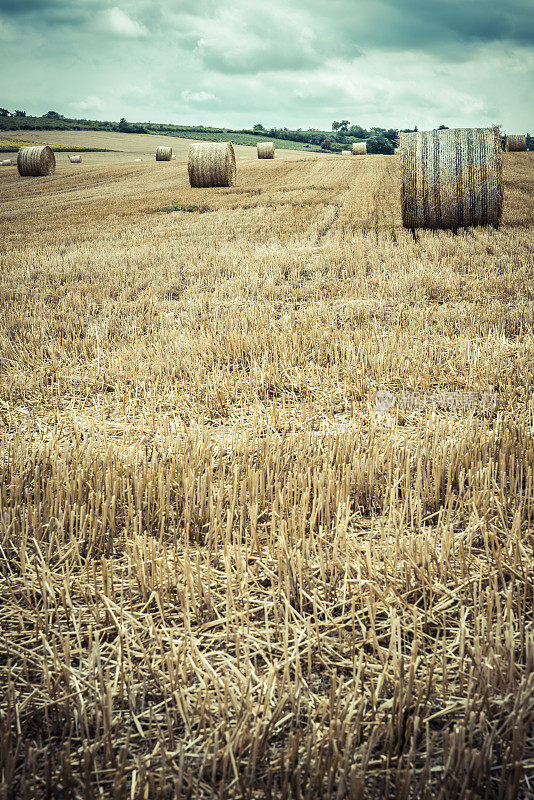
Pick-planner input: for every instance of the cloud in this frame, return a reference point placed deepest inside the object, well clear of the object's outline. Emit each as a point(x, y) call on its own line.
point(196, 97)
point(90, 104)
point(120, 24)
point(243, 39)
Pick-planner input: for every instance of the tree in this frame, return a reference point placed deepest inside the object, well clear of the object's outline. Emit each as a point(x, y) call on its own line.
point(379, 144)
point(326, 144)
point(4, 112)
point(336, 126)
point(357, 132)
point(344, 125)
point(53, 115)
point(19, 114)
point(258, 127)
point(443, 128)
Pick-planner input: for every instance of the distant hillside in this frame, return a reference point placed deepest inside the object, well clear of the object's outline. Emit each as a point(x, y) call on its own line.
point(59, 123)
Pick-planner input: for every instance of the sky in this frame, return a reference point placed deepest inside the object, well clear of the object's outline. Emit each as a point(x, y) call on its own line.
point(392, 64)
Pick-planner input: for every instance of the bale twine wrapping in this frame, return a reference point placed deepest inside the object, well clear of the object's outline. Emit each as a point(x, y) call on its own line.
point(265, 149)
point(36, 160)
point(359, 149)
point(451, 178)
point(75, 159)
point(163, 153)
point(515, 144)
point(211, 164)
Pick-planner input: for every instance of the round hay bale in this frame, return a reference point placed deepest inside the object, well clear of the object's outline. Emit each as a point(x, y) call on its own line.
point(515, 144)
point(451, 178)
point(75, 159)
point(346, 153)
point(5, 163)
point(211, 164)
point(163, 153)
point(36, 160)
point(265, 149)
point(359, 148)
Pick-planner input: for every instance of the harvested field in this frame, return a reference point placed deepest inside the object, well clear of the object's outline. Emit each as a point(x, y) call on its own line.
point(224, 570)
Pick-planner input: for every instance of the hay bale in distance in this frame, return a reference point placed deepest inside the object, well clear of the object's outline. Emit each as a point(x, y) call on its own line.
point(36, 160)
point(451, 178)
point(396, 151)
point(359, 148)
point(137, 159)
point(173, 158)
point(265, 149)
point(515, 144)
point(5, 163)
point(346, 153)
point(75, 159)
point(163, 153)
point(211, 164)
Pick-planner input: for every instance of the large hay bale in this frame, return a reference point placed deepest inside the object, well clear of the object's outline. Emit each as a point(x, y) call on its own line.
point(359, 148)
point(515, 144)
point(451, 178)
point(36, 160)
point(75, 159)
point(265, 149)
point(163, 153)
point(211, 164)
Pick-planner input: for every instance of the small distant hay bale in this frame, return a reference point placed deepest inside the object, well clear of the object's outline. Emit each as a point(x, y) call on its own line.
point(346, 153)
point(163, 153)
point(515, 144)
point(265, 149)
point(173, 158)
point(5, 163)
point(451, 178)
point(396, 151)
point(359, 148)
point(75, 159)
point(211, 164)
point(137, 159)
point(36, 160)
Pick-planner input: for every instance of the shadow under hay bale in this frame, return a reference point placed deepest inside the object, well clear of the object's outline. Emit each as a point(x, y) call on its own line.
point(211, 164)
point(163, 153)
point(515, 144)
point(35, 161)
point(359, 149)
point(265, 149)
point(451, 178)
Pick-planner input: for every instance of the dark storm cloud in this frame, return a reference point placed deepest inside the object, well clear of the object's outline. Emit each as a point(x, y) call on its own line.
point(241, 38)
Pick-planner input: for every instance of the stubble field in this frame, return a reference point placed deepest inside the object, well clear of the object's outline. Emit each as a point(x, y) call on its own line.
point(224, 571)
